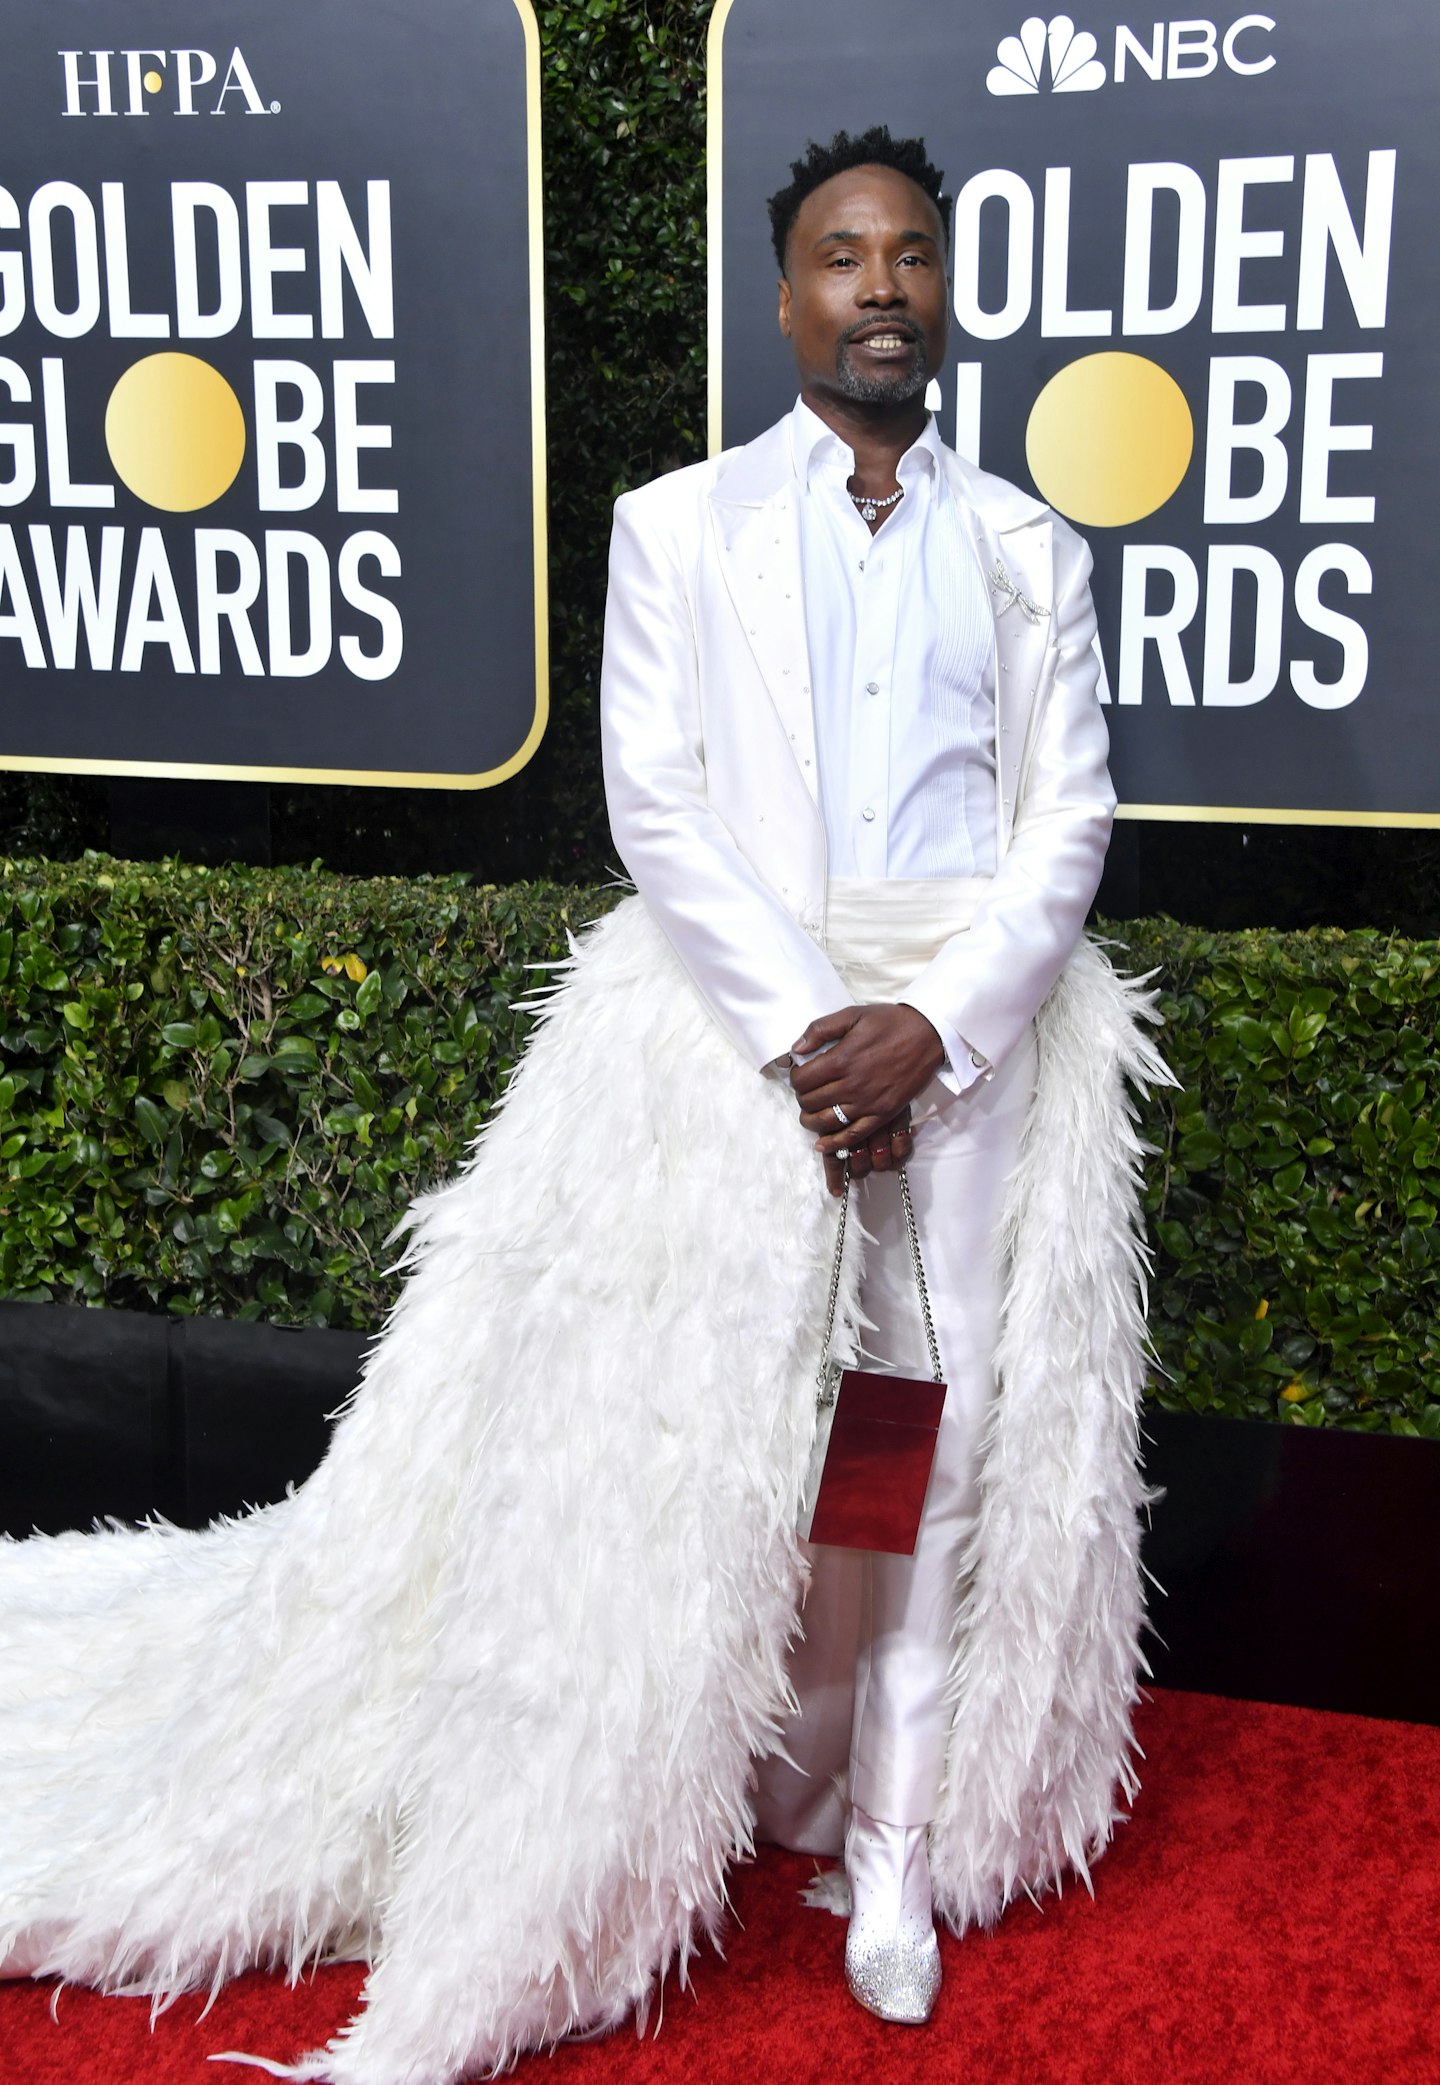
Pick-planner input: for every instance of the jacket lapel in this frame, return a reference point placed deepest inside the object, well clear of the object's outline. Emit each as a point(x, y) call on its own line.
point(757, 532)
point(1012, 535)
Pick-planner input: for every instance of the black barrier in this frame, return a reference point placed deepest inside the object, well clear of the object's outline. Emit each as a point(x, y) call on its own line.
point(271, 421)
point(1198, 308)
point(113, 1412)
point(1296, 1564)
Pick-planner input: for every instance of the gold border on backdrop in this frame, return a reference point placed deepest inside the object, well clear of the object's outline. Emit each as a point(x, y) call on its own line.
point(1193, 814)
point(390, 778)
point(714, 217)
point(1231, 814)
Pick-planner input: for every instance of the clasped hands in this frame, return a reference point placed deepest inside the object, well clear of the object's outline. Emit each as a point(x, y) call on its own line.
point(878, 1059)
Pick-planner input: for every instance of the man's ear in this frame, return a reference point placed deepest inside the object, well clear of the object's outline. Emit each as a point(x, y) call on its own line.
point(784, 314)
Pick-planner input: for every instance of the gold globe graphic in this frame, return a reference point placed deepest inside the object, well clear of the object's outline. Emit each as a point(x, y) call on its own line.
point(175, 432)
point(1109, 439)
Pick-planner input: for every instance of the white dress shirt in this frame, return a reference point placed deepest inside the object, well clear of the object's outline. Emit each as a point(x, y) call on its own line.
point(901, 641)
point(902, 657)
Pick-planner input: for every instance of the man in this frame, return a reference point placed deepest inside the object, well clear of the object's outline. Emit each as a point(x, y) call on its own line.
point(872, 836)
point(481, 1703)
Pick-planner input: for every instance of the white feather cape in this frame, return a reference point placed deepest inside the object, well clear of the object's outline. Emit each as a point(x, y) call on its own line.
point(479, 1702)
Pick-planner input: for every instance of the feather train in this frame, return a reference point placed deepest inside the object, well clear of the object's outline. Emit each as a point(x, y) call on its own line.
point(478, 1704)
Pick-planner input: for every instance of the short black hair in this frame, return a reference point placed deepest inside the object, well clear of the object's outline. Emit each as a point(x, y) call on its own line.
point(873, 147)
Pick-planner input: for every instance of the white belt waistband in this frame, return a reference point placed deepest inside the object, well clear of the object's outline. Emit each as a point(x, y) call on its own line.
point(880, 932)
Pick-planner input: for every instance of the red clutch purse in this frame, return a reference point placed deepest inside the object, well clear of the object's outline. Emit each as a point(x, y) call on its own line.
point(875, 1434)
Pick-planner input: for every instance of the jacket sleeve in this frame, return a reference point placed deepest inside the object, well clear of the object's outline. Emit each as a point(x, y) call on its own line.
point(762, 976)
point(989, 983)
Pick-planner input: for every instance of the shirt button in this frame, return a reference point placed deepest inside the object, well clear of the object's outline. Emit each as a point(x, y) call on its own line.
point(872, 687)
point(867, 814)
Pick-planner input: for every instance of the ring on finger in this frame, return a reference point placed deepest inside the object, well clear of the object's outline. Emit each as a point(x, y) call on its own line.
point(840, 1115)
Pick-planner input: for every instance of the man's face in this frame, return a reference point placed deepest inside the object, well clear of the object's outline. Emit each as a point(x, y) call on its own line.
point(864, 301)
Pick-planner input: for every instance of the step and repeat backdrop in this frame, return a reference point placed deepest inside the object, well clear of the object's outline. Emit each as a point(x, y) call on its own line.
point(271, 416)
point(1197, 307)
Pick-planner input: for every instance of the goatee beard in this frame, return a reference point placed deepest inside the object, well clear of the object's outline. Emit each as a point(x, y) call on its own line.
point(893, 387)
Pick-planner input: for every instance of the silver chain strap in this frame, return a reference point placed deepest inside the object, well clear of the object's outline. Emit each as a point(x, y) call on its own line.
point(827, 1382)
point(913, 1235)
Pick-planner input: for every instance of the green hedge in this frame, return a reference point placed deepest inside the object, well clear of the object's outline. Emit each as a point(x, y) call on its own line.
point(218, 1088)
point(1293, 1191)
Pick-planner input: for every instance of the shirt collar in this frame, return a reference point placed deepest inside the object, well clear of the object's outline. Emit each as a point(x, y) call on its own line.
point(819, 450)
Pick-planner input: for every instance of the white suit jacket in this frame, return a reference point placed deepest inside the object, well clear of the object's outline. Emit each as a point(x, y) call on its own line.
point(710, 764)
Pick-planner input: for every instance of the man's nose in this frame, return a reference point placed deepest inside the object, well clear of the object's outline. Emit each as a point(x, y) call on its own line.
point(882, 288)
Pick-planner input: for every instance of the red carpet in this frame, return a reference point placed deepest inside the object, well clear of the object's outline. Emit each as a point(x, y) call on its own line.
point(1271, 1913)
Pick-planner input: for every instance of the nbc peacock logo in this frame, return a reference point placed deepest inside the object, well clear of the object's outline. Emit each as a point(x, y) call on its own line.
point(1072, 67)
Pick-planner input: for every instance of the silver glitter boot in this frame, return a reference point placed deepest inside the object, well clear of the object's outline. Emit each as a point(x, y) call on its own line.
point(892, 1958)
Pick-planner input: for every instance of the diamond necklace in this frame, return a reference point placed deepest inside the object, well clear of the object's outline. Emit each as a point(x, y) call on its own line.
point(870, 508)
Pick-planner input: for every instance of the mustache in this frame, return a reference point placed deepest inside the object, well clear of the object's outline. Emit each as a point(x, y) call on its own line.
point(906, 327)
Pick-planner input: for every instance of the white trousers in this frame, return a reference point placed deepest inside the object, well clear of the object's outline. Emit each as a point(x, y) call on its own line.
point(878, 1631)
